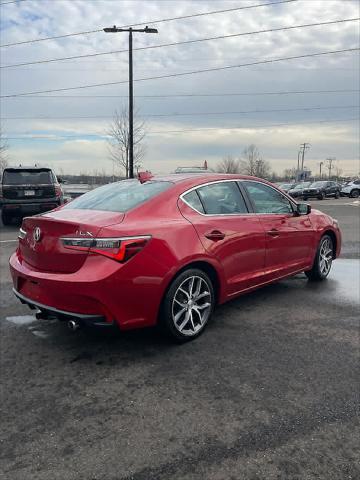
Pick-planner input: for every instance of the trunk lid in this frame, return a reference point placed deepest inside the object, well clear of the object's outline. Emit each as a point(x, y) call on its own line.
point(42, 248)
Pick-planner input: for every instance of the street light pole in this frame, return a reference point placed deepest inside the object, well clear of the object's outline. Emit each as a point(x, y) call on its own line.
point(114, 29)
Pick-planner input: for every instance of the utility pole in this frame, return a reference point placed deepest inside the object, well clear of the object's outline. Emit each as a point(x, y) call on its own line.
point(330, 161)
point(321, 164)
point(114, 29)
point(298, 165)
point(303, 147)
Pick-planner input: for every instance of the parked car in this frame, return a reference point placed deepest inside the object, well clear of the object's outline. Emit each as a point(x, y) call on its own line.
point(351, 189)
point(193, 170)
point(297, 190)
point(285, 187)
point(167, 250)
point(321, 190)
point(27, 191)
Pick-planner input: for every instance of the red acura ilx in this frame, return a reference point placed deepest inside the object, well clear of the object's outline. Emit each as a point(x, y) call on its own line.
point(167, 250)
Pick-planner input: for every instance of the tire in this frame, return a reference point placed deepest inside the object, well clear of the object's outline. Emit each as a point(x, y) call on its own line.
point(305, 199)
point(179, 317)
point(321, 196)
point(354, 193)
point(6, 219)
point(321, 267)
point(337, 195)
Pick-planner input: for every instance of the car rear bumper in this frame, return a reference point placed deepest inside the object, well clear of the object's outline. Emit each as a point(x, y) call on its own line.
point(101, 290)
point(51, 312)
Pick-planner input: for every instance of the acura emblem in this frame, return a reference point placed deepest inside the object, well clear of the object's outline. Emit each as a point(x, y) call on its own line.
point(37, 234)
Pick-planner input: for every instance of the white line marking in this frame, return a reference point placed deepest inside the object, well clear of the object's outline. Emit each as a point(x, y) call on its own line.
point(7, 241)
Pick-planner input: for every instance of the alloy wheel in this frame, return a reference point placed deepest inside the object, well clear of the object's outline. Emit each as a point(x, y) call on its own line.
point(325, 256)
point(191, 306)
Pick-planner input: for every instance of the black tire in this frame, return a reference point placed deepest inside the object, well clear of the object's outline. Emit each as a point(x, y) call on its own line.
point(176, 302)
point(337, 195)
point(6, 219)
point(305, 199)
point(355, 193)
point(317, 272)
point(321, 196)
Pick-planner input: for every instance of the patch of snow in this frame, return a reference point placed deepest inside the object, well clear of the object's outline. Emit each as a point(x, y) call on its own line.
point(21, 320)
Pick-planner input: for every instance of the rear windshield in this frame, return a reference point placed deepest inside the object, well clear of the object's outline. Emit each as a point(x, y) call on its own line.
point(27, 177)
point(119, 196)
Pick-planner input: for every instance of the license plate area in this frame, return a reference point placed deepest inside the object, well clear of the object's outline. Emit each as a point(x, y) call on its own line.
point(29, 193)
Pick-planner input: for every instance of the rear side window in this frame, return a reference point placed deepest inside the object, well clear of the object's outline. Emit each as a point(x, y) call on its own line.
point(120, 196)
point(192, 199)
point(223, 198)
point(27, 177)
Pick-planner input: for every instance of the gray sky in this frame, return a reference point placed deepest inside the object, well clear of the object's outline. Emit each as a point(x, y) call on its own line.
point(227, 124)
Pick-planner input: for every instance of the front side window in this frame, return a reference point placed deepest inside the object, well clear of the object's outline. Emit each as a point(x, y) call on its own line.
point(266, 199)
point(223, 198)
point(119, 196)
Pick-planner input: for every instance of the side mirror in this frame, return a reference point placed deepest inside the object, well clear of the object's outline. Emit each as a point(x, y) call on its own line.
point(303, 209)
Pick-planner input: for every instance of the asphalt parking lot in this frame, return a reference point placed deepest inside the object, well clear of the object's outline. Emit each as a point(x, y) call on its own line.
point(269, 391)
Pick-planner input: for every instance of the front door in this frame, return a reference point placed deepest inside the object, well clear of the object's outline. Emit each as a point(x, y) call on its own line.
point(288, 236)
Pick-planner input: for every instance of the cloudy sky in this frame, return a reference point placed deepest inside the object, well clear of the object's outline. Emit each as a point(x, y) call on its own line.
point(189, 118)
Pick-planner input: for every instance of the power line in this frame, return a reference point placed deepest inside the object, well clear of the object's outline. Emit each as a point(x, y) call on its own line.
point(186, 42)
point(150, 22)
point(12, 1)
point(190, 95)
point(182, 74)
point(188, 114)
point(64, 137)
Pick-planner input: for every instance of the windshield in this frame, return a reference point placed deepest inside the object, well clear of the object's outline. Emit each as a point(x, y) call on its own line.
point(318, 184)
point(302, 185)
point(27, 177)
point(119, 196)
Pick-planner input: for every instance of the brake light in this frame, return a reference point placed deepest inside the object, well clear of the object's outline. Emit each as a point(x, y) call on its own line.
point(119, 249)
point(58, 191)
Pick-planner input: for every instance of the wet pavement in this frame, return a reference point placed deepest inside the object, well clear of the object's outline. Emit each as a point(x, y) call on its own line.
point(269, 391)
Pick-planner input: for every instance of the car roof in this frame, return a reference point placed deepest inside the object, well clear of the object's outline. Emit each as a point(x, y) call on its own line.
point(192, 179)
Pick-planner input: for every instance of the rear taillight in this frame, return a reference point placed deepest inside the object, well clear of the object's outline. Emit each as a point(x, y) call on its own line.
point(119, 249)
point(58, 191)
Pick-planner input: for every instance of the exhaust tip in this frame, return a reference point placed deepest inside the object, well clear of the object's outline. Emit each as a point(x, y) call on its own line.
point(73, 325)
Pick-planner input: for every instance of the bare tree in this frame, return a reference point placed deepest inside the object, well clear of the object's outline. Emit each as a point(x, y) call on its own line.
point(253, 164)
point(228, 165)
point(3, 152)
point(119, 141)
point(290, 173)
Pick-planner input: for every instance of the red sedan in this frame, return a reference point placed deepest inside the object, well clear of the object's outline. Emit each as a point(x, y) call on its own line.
point(167, 250)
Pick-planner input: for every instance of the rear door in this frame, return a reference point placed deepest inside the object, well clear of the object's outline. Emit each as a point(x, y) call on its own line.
point(228, 231)
point(288, 236)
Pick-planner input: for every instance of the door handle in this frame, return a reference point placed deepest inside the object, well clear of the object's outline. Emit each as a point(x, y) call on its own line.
point(215, 235)
point(273, 232)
